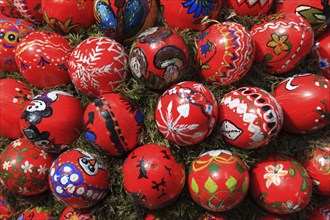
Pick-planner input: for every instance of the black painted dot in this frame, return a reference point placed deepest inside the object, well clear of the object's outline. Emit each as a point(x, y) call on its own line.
point(248, 92)
point(271, 125)
point(265, 108)
point(255, 96)
point(261, 100)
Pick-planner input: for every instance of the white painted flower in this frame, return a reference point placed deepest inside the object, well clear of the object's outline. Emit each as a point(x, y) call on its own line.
point(16, 143)
point(43, 154)
point(290, 206)
point(6, 165)
point(274, 174)
point(27, 167)
point(42, 169)
point(199, 87)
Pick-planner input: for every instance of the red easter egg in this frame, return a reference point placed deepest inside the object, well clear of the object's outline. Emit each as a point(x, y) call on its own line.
point(125, 20)
point(186, 113)
point(11, 31)
point(280, 184)
point(281, 41)
point(249, 117)
point(307, 97)
point(218, 180)
point(188, 14)
point(24, 168)
point(36, 213)
point(13, 98)
point(225, 53)
point(6, 211)
point(7, 9)
point(76, 214)
point(158, 57)
point(79, 179)
point(321, 52)
point(249, 7)
point(30, 10)
point(318, 168)
point(213, 217)
point(98, 65)
point(152, 177)
point(69, 15)
point(321, 213)
point(42, 58)
point(52, 120)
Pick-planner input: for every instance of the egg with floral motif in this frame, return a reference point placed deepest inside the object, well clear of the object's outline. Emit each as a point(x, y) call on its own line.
point(76, 214)
point(250, 7)
point(30, 10)
point(6, 210)
point(36, 213)
point(321, 52)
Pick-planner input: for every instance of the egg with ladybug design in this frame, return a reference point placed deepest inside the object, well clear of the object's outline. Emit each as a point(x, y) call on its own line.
point(36, 213)
point(98, 65)
point(250, 7)
point(225, 53)
point(69, 15)
point(24, 168)
point(42, 58)
point(249, 117)
point(281, 41)
point(79, 179)
point(321, 52)
point(6, 211)
point(30, 10)
point(7, 9)
point(11, 31)
point(72, 214)
point(152, 177)
point(272, 180)
point(113, 124)
point(124, 20)
point(218, 180)
point(304, 96)
point(52, 120)
point(158, 57)
point(186, 113)
point(188, 14)
point(14, 96)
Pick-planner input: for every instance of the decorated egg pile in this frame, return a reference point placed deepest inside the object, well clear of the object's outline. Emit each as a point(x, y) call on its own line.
point(30, 10)
point(36, 213)
point(250, 7)
point(72, 213)
point(6, 211)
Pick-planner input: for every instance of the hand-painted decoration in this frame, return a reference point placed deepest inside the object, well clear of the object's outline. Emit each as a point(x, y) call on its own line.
point(13, 98)
point(76, 214)
point(280, 184)
point(152, 177)
point(6, 211)
point(188, 14)
point(42, 58)
point(79, 179)
point(74, 16)
point(218, 180)
point(305, 101)
point(124, 20)
point(249, 7)
point(11, 31)
point(24, 168)
point(98, 65)
point(7, 9)
point(186, 113)
point(209, 216)
point(225, 53)
point(158, 57)
point(320, 213)
point(52, 120)
point(113, 124)
point(249, 117)
point(321, 52)
point(318, 168)
point(30, 10)
point(36, 213)
point(282, 40)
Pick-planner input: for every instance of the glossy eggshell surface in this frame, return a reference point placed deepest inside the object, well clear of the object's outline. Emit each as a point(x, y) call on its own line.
point(186, 113)
point(36, 213)
point(152, 177)
point(98, 65)
point(75, 214)
point(305, 100)
point(321, 52)
point(13, 98)
point(249, 7)
point(42, 58)
point(158, 57)
point(249, 117)
point(280, 184)
point(30, 10)
point(225, 53)
point(24, 168)
point(113, 124)
point(79, 179)
point(281, 41)
point(6, 211)
point(218, 180)
point(52, 120)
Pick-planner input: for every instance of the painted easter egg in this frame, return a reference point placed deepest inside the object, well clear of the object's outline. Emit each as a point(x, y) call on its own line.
point(320, 213)
point(186, 113)
point(79, 179)
point(249, 7)
point(218, 180)
point(321, 52)
point(158, 57)
point(7, 9)
point(249, 117)
point(188, 14)
point(152, 177)
point(6, 211)
point(11, 31)
point(76, 214)
point(30, 10)
point(24, 168)
point(98, 65)
point(209, 216)
point(14, 96)
point(124, 20)
point(280, 184)
point(225, 53)
point(304, 96)
point(52, 120)
point(36, 213)
point(113, 124)
point(281, 41)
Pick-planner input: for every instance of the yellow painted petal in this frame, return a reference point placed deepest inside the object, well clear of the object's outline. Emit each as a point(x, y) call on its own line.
point(285, 47)
point(275, 37)
point(270, 169)
point(271, 43)
point(282, 173)
point(283, 38)
point(277, 50)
